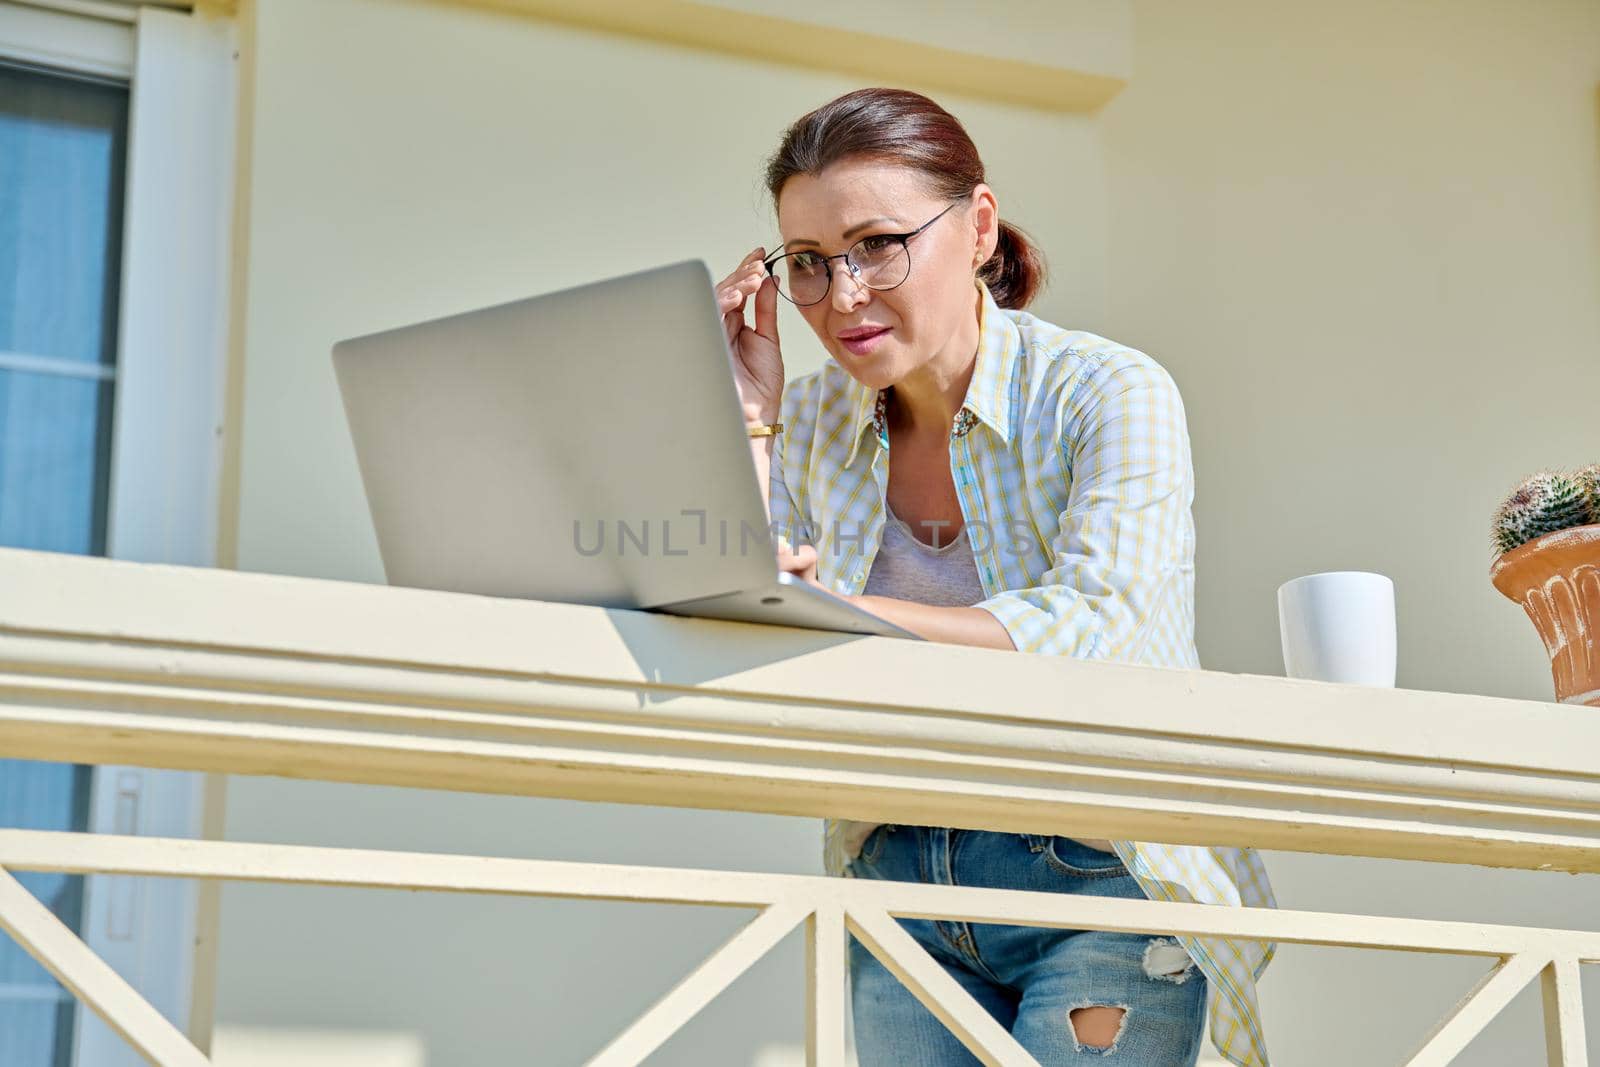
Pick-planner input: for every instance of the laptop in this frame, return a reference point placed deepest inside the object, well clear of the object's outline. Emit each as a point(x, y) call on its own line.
point(585, 446)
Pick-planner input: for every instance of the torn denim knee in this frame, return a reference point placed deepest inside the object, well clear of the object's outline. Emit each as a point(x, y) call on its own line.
point(1099, 1050)
point(1166, 960)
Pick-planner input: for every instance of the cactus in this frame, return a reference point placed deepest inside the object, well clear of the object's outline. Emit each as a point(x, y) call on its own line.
point(1588, 479)
point(1544, 503)
point(1514, 519)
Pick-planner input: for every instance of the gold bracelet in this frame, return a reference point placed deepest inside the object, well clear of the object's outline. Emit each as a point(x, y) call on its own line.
point(757, 429)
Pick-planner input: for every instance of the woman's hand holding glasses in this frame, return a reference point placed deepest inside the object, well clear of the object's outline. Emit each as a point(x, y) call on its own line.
point(757, 361)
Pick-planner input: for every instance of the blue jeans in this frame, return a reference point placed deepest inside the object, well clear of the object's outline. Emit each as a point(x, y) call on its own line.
point(1029, 978)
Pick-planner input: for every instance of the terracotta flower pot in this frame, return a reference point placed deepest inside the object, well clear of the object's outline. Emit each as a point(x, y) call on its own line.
point(1556, 579)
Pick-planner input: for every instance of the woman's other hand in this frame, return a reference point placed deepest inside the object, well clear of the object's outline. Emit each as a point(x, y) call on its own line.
point(798, 560)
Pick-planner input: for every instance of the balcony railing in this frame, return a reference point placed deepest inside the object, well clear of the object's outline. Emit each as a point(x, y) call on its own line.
point(110, 662)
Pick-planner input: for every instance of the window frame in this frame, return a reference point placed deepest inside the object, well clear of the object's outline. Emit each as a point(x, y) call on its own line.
point(167, 437)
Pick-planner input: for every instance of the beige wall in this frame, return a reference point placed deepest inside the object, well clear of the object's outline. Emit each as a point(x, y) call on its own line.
point(1356, 237)
point(1365, 239)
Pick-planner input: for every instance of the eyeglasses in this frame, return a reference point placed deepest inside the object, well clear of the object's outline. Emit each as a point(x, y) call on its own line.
point(880, 261)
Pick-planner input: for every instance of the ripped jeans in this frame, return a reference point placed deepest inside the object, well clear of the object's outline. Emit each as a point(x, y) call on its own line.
point(1033, 980)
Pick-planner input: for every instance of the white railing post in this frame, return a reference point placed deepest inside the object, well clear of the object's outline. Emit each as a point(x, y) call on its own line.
point(826, 964)
point(1563, 1014)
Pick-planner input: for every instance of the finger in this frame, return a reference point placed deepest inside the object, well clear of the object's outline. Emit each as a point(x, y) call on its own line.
point(793, 551)
point(738, 295)
point(737, 291)
point(767, 309)
point(746, 265)
point(753, 259)
point(799, 560)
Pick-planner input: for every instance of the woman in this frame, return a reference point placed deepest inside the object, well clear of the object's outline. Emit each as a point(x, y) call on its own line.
point(1023, 487)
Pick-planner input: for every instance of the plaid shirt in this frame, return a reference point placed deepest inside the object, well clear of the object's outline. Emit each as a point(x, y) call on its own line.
point(1071, 460)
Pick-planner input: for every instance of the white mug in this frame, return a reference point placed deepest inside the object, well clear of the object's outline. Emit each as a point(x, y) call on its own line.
point(1339, 627)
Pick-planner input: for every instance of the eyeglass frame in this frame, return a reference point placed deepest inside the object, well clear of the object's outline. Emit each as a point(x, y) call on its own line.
point(855, 271)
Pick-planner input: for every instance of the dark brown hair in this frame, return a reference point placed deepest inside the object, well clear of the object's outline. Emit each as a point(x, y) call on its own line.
point(906, 128)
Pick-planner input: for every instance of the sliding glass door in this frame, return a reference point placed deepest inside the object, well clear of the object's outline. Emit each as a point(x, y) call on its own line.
point(63, 145)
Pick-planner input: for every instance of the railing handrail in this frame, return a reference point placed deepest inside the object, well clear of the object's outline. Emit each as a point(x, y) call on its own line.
point(72, 853)
point(111, 661)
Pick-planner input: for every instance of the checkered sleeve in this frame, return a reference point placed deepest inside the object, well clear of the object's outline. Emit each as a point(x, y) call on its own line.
point(1122, 536)
point(787, 519)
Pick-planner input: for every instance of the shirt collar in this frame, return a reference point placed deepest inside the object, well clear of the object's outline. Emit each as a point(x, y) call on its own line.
point(988, 397)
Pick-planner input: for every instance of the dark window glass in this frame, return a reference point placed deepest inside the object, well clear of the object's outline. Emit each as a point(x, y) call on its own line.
point(63, 142)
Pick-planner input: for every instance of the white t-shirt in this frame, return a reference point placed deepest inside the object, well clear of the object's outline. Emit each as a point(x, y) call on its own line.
point(906, 568)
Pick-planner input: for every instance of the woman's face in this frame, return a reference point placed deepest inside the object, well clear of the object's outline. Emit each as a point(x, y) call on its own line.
point(880, 336)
